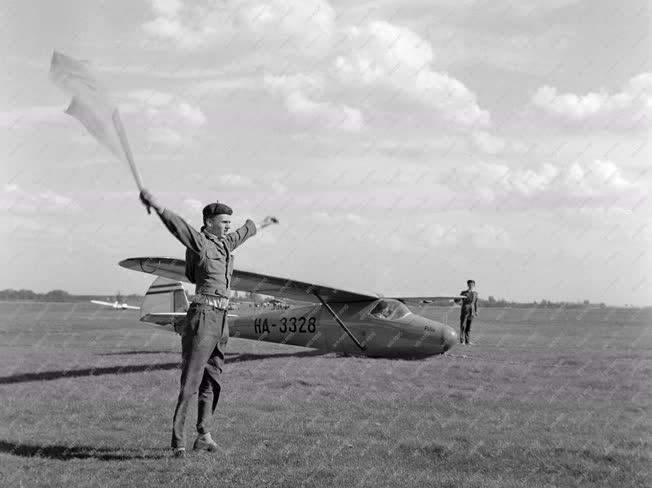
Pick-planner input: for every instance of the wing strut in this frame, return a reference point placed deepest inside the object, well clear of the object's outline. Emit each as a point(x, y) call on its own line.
point(340, 323)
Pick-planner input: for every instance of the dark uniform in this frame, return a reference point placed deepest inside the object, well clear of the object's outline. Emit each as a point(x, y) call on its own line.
point(209, 264)
point(467, 312)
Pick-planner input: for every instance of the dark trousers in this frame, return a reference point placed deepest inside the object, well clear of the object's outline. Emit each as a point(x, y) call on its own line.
point(203, 344)
point(466, 318)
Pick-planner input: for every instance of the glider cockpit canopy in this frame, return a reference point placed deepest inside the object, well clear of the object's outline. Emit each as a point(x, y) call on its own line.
point(389, 309)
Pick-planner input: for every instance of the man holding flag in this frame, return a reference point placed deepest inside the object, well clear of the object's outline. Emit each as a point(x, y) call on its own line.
point(209, 259)
point(209, 264)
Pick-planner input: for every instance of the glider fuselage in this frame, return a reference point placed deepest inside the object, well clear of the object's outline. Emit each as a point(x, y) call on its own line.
point(404, 335)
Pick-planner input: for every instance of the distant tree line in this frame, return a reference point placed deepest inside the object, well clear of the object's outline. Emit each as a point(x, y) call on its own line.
point(502, 303)
point(60, 296)
point(51, 296)
point(64, 296)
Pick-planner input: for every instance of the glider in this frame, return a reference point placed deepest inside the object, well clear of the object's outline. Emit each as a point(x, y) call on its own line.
point(333, 319)
point(117, 305)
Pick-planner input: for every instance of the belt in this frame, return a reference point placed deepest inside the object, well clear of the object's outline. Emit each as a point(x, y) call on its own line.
point(217, 302)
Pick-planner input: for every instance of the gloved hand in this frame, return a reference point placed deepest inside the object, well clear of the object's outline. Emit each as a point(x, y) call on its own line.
point(149, 201)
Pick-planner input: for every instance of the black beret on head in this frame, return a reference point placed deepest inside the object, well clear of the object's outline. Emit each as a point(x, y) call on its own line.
point(468, 282)
point(216, 209)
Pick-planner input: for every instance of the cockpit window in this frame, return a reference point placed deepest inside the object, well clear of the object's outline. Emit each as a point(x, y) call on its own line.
point(389, 310)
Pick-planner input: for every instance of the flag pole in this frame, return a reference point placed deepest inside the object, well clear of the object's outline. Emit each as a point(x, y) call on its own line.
point(122, 135)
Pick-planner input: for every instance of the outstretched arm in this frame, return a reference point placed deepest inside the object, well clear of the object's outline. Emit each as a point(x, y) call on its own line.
point(249, 229)
point(185, 233)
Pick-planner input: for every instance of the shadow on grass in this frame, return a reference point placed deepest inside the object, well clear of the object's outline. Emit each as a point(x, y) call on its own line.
point(66, 453)
point(242, 357)
point(76, 373)
point(129, 353)
point(136, 368)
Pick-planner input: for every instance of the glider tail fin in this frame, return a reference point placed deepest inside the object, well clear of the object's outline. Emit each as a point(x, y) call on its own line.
point(164, 296)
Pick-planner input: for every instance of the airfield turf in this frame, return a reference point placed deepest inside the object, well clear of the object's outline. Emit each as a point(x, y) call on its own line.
point(545, 398)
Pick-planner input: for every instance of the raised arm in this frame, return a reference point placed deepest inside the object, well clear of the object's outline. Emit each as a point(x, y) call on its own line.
point(249, 229)
point(179, 228)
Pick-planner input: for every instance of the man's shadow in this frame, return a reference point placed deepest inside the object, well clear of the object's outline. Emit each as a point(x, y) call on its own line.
point(242, 357)
point(134, 353)
point(66, 453)
point(76, 373)
point(137, 368)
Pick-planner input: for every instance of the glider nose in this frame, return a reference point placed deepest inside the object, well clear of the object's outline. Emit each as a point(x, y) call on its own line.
point(442, 337)
point(450, 338)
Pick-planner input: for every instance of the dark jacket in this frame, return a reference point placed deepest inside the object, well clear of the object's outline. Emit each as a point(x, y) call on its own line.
point(470, 302)
point(209, 262)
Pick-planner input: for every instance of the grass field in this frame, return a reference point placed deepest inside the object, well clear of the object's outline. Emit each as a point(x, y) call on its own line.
point(545, 398)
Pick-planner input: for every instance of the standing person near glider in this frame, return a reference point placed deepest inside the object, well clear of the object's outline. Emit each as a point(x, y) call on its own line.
point(468, 312)
point(209, 264)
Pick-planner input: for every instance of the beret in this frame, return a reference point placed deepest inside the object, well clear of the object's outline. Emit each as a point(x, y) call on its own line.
point(216, 209)
point(470, 281)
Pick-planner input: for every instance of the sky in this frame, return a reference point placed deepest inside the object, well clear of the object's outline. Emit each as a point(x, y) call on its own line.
point(404, 145)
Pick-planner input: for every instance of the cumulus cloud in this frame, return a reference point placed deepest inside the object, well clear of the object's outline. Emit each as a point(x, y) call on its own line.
point(384, 55)
point(297, 91)
point(533, 8)
point(387, 64)
point(453, 237)
point(167, 8)
point(389, 68)
point(170, 120)
point(174, 21)
point(546, 185)
point(339, 219)
point(277, 187)
point(287, 24)
point(481, 236)
point(194, 205)
point(626, 109)
point(16, 200)
point(232, 183)
point(336, 116)
point(490, 144)
point(29, 116)
point(232, 180)
point(288, 83)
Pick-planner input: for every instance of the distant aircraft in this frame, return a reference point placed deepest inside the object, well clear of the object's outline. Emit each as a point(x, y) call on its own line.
point(117, 305)
point(276, 304)
point(335, 320)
